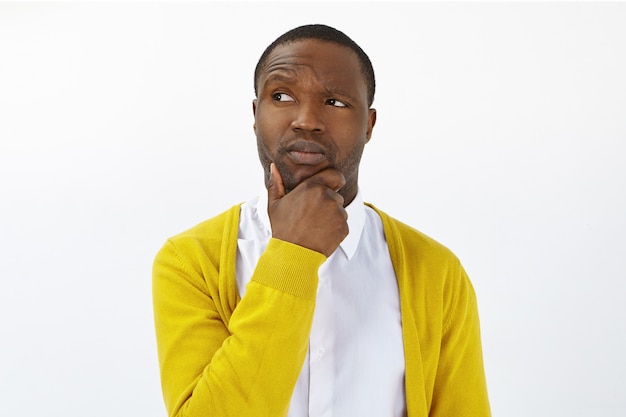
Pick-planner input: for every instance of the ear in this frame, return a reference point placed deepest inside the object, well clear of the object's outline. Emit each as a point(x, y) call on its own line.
point(371, 121)
point(254, 102)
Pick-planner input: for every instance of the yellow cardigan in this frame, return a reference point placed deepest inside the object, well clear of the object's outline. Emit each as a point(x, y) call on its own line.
point(224, 356)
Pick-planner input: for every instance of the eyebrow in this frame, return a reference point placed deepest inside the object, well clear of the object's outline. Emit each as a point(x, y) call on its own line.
point(283, 75)
point(343, 93)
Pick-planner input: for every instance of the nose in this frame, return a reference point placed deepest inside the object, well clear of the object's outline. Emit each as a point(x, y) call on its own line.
point(309, 117)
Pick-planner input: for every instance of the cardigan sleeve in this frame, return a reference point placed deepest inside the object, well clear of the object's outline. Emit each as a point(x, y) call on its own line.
point(247, 366)
point(460, 387)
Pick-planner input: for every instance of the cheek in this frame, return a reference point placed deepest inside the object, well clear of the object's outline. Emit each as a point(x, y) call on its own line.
point(268, 137)
point(270, 125)
point(353, 130)
point(350, 149)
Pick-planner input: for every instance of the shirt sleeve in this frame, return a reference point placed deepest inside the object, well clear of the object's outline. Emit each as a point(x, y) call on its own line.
point(244, 366)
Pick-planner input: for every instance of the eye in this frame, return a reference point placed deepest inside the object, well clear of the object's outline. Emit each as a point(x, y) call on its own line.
point(335, 102)
point(282, 97)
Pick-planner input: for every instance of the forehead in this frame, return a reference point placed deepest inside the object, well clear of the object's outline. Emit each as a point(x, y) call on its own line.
point(327, 60)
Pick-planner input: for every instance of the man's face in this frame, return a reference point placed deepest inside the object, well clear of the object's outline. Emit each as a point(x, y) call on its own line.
point(312, 112)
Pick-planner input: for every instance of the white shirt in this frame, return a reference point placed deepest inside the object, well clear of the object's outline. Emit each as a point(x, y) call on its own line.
point(355, 363)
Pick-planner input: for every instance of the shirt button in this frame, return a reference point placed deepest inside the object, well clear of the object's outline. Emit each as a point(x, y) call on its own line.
point(317, 355)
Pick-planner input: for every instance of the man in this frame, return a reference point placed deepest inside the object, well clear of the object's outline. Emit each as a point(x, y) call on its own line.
point(306, 301)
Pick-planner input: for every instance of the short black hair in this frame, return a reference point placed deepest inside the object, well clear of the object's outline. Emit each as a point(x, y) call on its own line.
point(322, 33)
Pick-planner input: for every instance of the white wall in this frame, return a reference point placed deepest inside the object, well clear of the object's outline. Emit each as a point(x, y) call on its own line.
point(501, 132)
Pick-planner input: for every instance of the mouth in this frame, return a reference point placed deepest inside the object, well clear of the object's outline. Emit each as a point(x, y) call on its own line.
point(304, 152)
point(306, 158)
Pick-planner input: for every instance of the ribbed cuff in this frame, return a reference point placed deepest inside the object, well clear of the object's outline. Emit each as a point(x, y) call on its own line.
point(289, 268)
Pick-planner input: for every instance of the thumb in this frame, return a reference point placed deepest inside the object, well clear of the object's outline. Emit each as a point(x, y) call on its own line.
point(275, 187)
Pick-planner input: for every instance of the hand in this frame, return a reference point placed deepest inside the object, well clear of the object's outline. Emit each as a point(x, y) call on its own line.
point(312, 214)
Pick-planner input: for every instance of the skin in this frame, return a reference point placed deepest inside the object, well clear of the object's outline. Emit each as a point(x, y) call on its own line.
point(312, 121)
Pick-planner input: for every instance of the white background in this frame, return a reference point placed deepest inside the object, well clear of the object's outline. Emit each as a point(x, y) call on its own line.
point(501, 133)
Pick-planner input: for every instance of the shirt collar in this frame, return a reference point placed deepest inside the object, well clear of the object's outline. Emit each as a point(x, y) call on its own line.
point(356, 221)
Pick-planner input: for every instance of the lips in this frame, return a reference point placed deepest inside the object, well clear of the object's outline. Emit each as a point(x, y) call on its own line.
point(303, 152)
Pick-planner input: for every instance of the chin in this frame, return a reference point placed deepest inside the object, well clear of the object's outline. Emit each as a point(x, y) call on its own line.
point(293, 177)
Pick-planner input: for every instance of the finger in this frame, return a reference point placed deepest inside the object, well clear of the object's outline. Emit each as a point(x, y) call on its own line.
point(329, 177)
point(275, 187)
point(336, 196)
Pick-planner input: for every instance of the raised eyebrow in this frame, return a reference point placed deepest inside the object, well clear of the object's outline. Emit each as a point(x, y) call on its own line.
point(340, 93)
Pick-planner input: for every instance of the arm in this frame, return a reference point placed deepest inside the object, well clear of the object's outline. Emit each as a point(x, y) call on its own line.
point(248, 366)
point(460, 386)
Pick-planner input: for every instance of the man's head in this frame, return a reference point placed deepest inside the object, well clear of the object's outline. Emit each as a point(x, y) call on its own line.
point(314, 87)
point(322, 33)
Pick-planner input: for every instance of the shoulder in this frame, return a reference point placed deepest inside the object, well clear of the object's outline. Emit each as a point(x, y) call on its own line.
point(206, 239)
point(195, 266)
point(211, 228)
point(406, 239)
point(427, 272)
